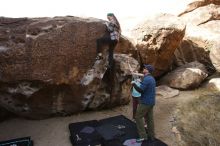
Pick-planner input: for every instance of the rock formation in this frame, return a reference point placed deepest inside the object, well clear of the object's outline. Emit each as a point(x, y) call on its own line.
point(43, 62)
point(201, 37)
point(190, 51)
point(197, 4)
point(188, 76)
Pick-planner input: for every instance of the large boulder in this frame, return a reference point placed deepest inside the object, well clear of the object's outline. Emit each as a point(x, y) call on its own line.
point(202, 35)
point(43, 62)
point(157, 39)
point(187, 76)
point(190, 51)
point(207, 41)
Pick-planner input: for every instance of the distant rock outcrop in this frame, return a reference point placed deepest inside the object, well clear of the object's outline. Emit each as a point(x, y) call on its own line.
point(197, 4)
point(203, 15)
point(43, 62)
point(201, 42)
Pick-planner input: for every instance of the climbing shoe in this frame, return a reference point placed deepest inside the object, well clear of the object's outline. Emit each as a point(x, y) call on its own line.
point(99, 56)
point(139, 140)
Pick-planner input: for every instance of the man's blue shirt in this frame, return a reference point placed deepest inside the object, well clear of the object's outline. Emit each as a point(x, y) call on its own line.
point(148, 86)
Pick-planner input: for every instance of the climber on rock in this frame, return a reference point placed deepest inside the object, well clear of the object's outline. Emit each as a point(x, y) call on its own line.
point(111, 40)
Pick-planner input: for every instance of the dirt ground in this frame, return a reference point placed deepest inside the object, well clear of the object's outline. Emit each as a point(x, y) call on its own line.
point(54, 131)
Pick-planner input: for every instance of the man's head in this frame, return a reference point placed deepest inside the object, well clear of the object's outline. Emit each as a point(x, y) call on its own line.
point(148, 69)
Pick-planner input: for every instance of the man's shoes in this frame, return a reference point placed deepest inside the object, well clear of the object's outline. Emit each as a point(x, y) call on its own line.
point(139, 140)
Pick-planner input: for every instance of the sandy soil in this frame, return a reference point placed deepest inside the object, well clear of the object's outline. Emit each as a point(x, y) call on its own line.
point(54, 131)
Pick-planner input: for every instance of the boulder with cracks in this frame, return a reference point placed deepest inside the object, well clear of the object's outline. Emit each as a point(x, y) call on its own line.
point(44, 61)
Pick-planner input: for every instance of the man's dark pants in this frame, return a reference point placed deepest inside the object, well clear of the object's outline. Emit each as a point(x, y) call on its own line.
point(145, 111)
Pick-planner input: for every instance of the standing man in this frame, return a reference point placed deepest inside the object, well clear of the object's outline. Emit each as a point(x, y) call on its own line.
point(147, 102)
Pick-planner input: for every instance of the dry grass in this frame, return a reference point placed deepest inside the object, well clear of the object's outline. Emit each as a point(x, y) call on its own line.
point(198, 121)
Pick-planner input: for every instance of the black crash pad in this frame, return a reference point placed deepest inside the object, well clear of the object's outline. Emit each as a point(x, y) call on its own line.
point(25, 141)
point(111, 131)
